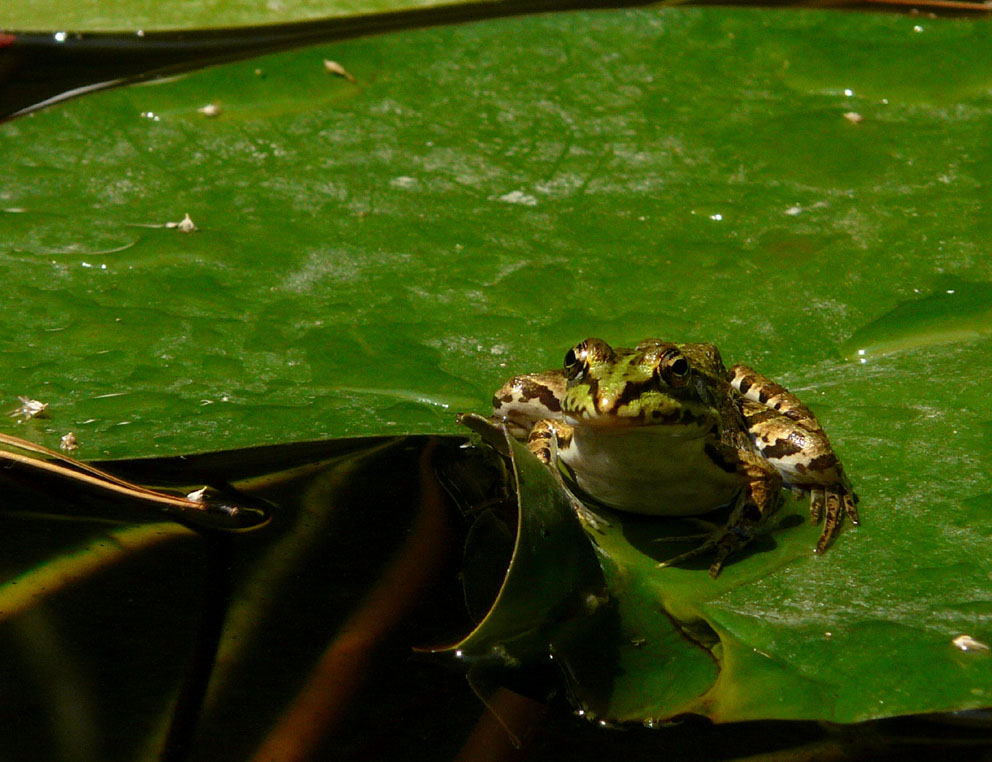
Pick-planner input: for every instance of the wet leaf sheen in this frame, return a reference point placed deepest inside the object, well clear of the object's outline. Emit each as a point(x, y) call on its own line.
point(373, 256)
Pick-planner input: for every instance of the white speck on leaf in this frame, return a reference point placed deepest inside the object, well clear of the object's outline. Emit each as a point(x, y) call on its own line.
point(197, 495)
point(29, 409)
point(185, 225)
point(968, 643)
point(518, 197)
point(333, 67)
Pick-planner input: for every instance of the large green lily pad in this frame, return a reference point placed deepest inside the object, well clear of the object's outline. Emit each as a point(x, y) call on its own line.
point(132, 15)
point(373, 256)
point(781, 634)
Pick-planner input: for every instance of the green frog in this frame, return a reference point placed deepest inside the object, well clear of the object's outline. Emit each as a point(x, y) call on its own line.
point(665, 429)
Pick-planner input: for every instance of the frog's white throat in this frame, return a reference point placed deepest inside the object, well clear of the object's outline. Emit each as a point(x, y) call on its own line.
point(663, 470)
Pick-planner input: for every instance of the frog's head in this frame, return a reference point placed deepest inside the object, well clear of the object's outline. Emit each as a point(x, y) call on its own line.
point(649, 385)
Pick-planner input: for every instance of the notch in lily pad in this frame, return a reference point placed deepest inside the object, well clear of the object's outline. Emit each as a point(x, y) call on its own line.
point(551, 602)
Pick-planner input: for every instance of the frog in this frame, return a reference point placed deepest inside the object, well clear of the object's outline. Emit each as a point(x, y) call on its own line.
point(666, 429)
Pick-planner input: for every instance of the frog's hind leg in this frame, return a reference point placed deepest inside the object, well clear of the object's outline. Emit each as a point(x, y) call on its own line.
point(723, 542)
point(766, 392)
point(752, 507)
point(786, 432)
point(808, 464)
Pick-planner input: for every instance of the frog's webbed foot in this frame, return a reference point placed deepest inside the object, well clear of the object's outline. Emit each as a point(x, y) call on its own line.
point(752, 507)
point(723, 543)
point(834, 501)
point(587, 518)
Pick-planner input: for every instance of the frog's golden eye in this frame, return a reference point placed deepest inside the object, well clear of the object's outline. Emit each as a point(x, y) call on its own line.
point(579, 357)
point(674, 368)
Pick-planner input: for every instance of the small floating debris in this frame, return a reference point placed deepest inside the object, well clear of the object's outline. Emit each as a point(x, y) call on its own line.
point(185, 225)
point(198, 495)
point(333, 67)
point(211, 110)
point(968, 643)
point(517, 197)
point(68, 443)
point(853, 117)
point(29, 409)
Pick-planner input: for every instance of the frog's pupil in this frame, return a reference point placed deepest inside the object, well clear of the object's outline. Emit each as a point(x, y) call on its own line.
point(680, 367)
point(570, 358)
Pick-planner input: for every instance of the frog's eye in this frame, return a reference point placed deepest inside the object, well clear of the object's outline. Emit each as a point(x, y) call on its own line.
point(674, 368)
point(579, 357)
point(679, 367)
point(575, 360)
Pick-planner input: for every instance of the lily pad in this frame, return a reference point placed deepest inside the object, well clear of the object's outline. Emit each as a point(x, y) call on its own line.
point(132, 15)
point(371, 257)
point(762, 641)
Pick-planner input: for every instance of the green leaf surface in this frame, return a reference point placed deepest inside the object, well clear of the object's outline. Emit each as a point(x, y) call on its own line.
point(767, 639)
point(796, 639)
point(146, 15)
point(372, 257)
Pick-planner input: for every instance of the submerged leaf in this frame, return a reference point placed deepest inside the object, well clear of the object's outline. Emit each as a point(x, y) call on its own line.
point(550, 593)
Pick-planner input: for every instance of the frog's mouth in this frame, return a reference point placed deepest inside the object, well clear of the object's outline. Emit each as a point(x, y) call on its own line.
point(680, 423)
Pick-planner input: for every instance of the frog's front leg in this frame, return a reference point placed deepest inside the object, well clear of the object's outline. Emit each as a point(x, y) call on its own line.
point(787, 434)
point(543, 441)
point(544, 437)
point(759, 499)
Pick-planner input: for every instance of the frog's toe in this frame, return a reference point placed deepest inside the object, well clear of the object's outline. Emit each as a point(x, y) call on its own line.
point(851, 507)
point(816, 502)
point(721, 555)
point(709, 529)
point(831, 523)
point(689, 555)
point(589, 519)
point(722, 544)
point(682, 537)
point(838, 503)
